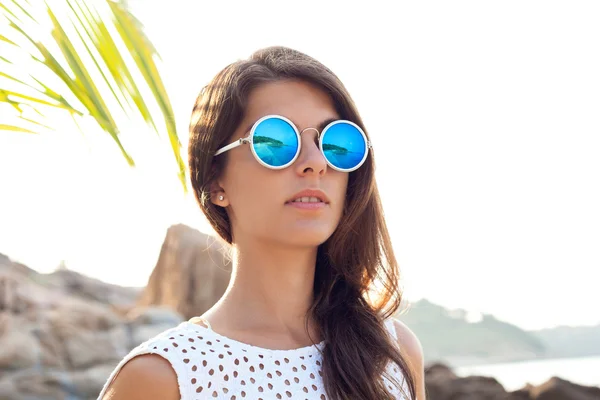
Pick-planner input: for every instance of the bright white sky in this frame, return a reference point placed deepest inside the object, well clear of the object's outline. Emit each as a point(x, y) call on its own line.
point(485, 123)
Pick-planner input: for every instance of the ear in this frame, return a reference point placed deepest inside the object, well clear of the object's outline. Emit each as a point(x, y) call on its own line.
point(217, 194)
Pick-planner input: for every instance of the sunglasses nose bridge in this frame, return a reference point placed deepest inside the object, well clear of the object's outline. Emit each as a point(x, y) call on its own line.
point(324, 159)
point(314, 129)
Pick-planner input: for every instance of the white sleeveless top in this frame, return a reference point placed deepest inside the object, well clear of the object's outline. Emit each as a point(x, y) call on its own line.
point(211, 366)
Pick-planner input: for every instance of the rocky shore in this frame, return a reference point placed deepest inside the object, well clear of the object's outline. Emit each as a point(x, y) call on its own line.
point(61, 334)
point(443, 384)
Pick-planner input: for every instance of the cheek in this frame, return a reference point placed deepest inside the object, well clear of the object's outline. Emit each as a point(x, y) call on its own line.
point(253, 191)
point(341, 188)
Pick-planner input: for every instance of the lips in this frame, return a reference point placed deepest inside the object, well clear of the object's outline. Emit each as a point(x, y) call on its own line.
point(307, 200)
point(309, 196)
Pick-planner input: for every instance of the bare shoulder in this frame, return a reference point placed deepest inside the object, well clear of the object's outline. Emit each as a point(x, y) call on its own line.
point(411, 346)
point(145, 377)
point(409, 341)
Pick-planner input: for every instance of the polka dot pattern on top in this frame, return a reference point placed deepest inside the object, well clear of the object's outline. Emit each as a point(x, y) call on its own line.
point(211, 366)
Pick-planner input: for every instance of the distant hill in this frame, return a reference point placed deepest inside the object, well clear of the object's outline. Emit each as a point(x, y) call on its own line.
point(568, 341)
point(447, 335)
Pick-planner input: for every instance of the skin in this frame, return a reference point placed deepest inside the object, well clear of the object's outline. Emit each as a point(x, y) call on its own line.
point(411, 345)
point(275, 245)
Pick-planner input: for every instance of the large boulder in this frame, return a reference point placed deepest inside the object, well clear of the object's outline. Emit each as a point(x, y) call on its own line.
point(191, 274)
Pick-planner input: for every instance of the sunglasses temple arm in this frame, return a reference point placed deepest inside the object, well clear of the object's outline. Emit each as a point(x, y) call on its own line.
point(233, 145)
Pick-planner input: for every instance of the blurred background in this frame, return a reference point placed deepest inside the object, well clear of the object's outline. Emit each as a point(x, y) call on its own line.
point(484, 118)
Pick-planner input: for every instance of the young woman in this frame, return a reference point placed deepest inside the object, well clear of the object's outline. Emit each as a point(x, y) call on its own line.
point(283, 169)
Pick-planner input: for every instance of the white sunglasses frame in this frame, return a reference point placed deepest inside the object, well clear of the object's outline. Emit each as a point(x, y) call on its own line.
point(248, 140)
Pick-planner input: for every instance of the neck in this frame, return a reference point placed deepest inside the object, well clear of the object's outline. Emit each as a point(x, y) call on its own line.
point(270, 290)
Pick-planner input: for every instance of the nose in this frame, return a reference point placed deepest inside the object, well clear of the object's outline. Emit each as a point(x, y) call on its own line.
point(310, 160)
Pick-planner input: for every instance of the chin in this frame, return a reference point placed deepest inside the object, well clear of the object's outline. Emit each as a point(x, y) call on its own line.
point(306, 237)
point(306, 243)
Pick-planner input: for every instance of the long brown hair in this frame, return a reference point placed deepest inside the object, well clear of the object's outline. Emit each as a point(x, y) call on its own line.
point(358, 254)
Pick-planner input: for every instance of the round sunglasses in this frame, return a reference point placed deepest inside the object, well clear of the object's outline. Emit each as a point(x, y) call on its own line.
point(275, 143)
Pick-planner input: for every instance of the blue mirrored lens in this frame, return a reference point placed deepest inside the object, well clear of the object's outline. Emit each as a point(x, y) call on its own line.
point(344, 146)
point(275, 142)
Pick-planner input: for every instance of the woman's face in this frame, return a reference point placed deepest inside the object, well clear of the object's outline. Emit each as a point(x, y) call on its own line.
point(257, 198)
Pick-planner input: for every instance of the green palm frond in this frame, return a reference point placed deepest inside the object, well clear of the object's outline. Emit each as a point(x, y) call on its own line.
point(87, 58)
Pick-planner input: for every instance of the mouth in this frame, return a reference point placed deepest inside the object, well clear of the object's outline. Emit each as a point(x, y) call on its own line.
point(309, 196)
point(307, 200)
point(307, 205)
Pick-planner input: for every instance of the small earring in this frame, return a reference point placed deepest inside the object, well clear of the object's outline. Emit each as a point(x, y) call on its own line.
point(221, 197)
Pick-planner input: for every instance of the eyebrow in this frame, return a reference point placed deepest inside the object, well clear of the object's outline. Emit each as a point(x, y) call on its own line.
point(321, 125)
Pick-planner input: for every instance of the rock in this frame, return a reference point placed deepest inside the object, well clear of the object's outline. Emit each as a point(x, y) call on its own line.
point(17, 295)
point(443, 384)
point(142, 333)
point(52, 348)
point(22, 287)
point(4, 260)
point(32, 384)
point(192, 273)
point(85, 348)
point(84, 334)
point(476, 388)
point(86, 288)
point(8, 391)
point(521, 394)
point(18, 347)
point(62, 334)
point(76, 314)
point(439, 371)
point(558, 389)
point(88, 383)
point(146, 322)
point(154, 316)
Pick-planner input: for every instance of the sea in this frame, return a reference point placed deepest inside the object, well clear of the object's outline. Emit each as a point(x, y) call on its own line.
point(515, 375)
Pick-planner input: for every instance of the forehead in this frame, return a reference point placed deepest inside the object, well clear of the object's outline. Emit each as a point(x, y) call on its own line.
point(301, 102)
